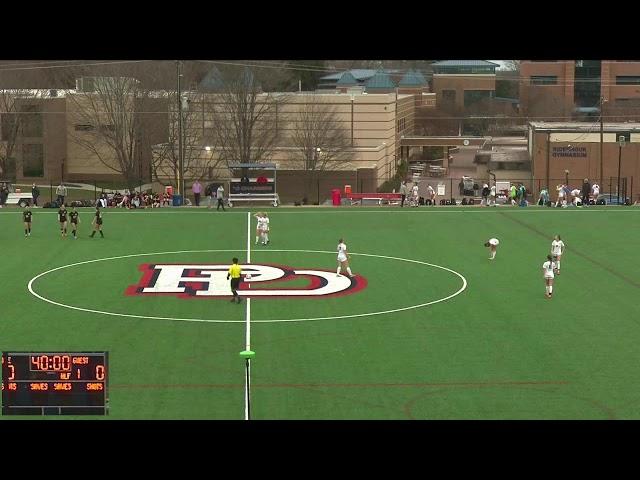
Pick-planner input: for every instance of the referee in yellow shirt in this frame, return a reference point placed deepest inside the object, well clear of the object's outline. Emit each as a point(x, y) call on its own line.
point(234, 274)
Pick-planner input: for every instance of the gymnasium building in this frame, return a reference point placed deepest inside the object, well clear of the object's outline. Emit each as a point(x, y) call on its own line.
point(561, 150)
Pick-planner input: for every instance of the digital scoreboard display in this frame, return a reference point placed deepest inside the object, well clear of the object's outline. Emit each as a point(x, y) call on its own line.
point(55, 383)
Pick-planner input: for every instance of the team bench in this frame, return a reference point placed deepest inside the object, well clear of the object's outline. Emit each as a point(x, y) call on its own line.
point(361, 198)
point(272, 198)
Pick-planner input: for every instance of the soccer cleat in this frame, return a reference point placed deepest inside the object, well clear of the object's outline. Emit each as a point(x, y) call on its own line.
point(233, 300)
point(338, 275)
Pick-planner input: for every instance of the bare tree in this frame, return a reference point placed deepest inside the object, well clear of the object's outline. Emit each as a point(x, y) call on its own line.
point(511, 65)
point(10, 126)
point(320, 140)
point(198, 158)
point(246, 121)
point(110, 127)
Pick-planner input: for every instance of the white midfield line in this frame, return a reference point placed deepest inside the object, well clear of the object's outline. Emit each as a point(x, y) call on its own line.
point(247, 378)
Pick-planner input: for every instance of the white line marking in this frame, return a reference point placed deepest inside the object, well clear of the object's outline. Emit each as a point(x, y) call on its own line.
point(384, 312)
point(248, 237)
point(247, 379)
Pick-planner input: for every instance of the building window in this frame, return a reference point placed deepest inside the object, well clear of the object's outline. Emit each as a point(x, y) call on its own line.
point(627, 80)
point(544, 80)
point(449, 96)
point(31, 121)
point(475, 96)
point(32, 160)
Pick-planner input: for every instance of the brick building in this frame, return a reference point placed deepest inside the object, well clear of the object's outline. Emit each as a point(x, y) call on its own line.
point(556, 147)
point(562, 90)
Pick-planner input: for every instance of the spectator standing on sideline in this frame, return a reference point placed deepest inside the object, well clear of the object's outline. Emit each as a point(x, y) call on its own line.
point(586, 190)
point(210, 194)
point(196, 188)
point(4, 193)
point(220, 196)
point(431, 193)
point(492, 195)
point(35, 193)
point(485, 194)
point(543, 199)
point(61, 193)
point(403, 192)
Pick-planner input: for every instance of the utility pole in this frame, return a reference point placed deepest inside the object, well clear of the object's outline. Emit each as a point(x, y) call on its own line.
point(180, 152)
point(601, 140)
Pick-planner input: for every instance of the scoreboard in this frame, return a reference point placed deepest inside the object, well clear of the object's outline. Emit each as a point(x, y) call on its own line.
point(55, 383)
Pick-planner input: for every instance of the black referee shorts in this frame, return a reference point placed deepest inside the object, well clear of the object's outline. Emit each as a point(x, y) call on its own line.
point(235, 283)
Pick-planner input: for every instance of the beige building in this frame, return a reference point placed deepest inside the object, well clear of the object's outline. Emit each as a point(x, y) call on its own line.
point(373, 124)
point(47, 145)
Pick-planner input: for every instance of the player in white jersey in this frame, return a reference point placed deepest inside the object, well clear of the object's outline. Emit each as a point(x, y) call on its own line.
point(560, 200)
point(262, 228)
point(492, 243)
point(259, 234)
point(576, 197)
point(557, 249)
point(415, 200)
point(343, 259)
point(265, 227)
point(548, 269)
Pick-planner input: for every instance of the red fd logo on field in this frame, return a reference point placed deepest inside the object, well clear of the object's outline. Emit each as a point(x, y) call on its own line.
point(210, 281)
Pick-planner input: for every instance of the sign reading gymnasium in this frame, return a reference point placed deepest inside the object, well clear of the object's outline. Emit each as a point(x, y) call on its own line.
point(569, 152)
point(210, 281)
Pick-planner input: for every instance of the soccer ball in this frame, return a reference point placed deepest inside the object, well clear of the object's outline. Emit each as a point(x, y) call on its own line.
point(247, 276)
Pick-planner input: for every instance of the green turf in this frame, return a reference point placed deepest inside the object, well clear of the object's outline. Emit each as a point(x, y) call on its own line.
point(498, 350)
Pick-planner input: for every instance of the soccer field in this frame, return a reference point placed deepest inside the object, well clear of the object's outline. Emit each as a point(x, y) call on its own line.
point(429, 329)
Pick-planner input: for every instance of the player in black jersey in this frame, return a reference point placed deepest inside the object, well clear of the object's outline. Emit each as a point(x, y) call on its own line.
point(97, 223)
point(62, 218)
point(74, 216)
point(26, 218)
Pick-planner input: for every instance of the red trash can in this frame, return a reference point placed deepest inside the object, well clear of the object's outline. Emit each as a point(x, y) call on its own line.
point(335, 196)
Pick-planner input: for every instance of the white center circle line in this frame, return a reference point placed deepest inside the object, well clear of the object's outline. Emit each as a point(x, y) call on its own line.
point(31, 289)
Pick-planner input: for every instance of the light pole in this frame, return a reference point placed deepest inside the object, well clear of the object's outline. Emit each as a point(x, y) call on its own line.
point(621, 143)
point(317, 152)
point(352, 100)
point(180, 152)
point(602, 101)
